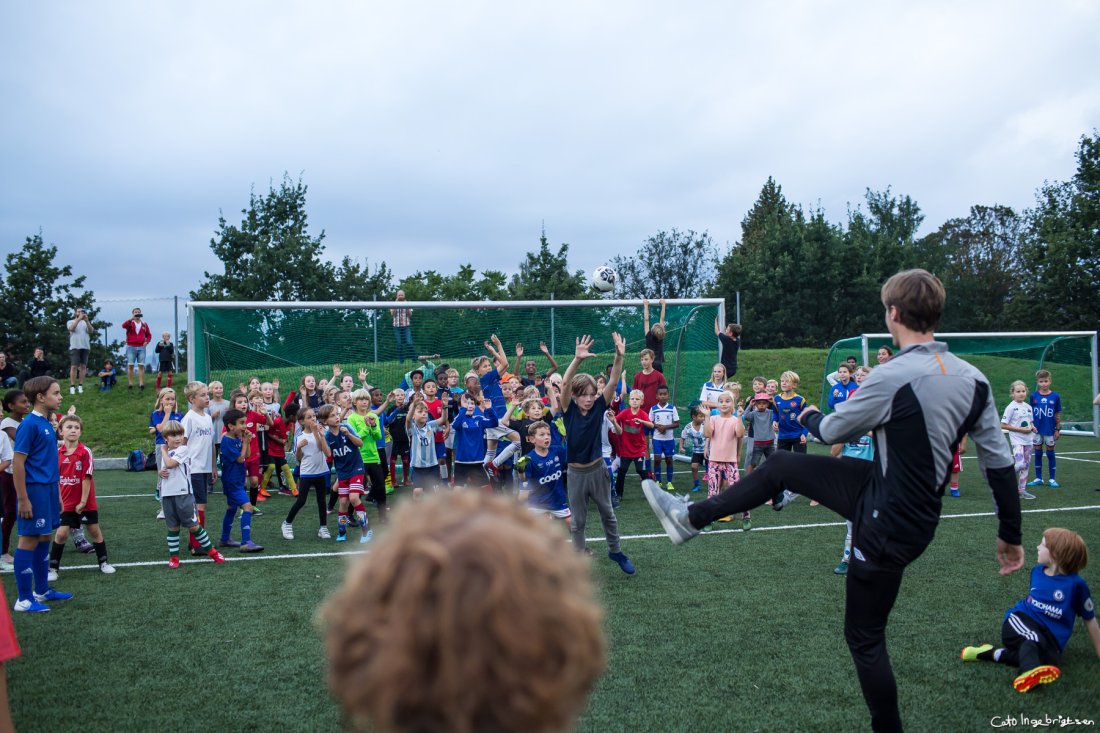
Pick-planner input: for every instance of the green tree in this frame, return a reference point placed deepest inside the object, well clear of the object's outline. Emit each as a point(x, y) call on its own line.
point(544, 274)
point(270, 255)
point(352, 281)
point(1060, 289)
point(463, 285)
point(37, 298)
point(980, 267)
point(670, 264)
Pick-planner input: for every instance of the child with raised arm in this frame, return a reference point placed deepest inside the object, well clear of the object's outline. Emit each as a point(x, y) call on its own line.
point(693, 442)
point(421, 430)
point(475, 416)
point(542, 488)
point(647, 381)
point(490, 373)
point(177, 497)
point(729, 343)
point(77, 496)
point(1017, 420)
point(399, 437)
point(724, 432)
point(257, 421)
point(312, 451)
point(1036, 629)
point(345, 443)
point(1046, 408)
point(583, 412)
point(655, 337)
point(236, 447)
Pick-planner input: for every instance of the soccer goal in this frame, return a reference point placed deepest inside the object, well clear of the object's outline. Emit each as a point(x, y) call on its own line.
point(233, 341)
point(1070, 356)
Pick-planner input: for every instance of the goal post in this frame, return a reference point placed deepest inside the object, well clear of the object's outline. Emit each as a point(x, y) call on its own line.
point(1070, 356)
point(234, 340)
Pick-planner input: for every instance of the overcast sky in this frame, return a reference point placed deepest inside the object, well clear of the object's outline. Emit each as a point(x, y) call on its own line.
point(433, 134)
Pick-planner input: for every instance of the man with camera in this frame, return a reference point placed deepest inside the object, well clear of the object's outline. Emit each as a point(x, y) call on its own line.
point(80, 343)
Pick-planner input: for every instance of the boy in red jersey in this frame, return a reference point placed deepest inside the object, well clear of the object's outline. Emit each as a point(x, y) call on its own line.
point(648, 380)
point(77, 496)
point(256, 421)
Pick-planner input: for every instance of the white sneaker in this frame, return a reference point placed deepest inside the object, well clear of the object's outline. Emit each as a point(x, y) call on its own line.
point(288, 531)
point(80, 389)
point(6, 567)
point(52, 575)
point(72, 390)
point(323, 533)
point(107, 568)
point(160, 514)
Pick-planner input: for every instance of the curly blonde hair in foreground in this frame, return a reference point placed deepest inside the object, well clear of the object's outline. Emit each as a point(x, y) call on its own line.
point(469, 614)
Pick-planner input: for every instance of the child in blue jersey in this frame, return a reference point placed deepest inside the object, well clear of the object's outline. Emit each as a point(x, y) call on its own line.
point(862, 448)
point(37, 475)
point(344, 443)
point(543, 471)
point(693, 442)
point(788, 406)
point(489, 373)
point(844, 386)
point(474, 417)
point(1046, 409)
point(236, 447)
point(665, 422)
point(1036, 629)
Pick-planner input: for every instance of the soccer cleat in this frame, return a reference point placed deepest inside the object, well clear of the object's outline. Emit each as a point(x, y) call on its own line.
point(623, 561)
point(173, 562)
point(727, 518)
point(1041, 675)
point(107, 568)
point(323, 533)
point(263, 494)
point(782, 499)
point(251, 546)
point(746, 524)
point(669, 486)
point(1035, 482)
point(1054, 484)
point(367, 537)
point(160, 514)
point(671, 510)
point(72, 390)
point(288, 531)
point(341, 536)
point(80, 389)
point(695, 488)
point(256, 512)
point(615, 500)
point(51, 576)
point(52, 595)
point(842, 568)
point(970, 653)
point(230, 542)
point(216, 556)
point(1026, 495)
point(30, 607)
point(955, 493)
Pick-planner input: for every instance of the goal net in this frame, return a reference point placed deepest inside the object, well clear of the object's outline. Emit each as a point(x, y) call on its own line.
point(1070, 356)
point(234, 341)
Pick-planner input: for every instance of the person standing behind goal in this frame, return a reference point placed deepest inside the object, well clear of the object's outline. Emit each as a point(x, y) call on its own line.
point(918, 405)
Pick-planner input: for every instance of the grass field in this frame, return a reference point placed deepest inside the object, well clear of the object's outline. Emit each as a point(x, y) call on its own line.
point(735, 631)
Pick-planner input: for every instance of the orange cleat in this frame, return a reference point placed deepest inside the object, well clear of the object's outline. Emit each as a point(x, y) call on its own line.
point(1041, 675)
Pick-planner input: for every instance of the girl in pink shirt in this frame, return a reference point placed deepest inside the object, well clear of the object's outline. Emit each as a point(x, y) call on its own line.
point(723, 432)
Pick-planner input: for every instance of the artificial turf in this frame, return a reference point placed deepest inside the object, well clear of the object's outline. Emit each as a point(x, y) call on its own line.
point(733, 631)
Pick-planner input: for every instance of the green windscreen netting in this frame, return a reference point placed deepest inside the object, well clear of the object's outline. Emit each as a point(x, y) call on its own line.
point(1004, 358)
point(232, 344)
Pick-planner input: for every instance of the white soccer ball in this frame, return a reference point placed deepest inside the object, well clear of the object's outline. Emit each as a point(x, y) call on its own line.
point(604, 279)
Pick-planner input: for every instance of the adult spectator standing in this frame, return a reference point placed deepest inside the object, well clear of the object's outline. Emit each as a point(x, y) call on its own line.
point(138, 337)
point(729, 343)
point(402, 328)
point(7, 372)
point(80, 344)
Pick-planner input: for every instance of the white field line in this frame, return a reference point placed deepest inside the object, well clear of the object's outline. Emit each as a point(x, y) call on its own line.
point(654, 536)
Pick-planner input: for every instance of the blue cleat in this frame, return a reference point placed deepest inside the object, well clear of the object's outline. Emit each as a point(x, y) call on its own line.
point(341, 536)
point(955, 493)
point(623, 561)
point(31, 606)
point(1036, 482)
point(367, 537)
point(52, 595)
point(1054, 484)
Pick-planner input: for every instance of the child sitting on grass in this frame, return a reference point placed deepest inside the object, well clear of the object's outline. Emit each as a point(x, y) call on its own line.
point(1036, 629)
point(177, 497)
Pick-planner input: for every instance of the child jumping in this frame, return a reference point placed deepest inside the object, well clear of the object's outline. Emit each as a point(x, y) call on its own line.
point(1036, 629)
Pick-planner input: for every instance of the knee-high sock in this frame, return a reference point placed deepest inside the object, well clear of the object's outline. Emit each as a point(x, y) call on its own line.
point(227, 522)
point(502, 456)
point(100, 552)
point(173, 543)
point(1037, 458)
point(41, 567)
point(204, 539)
point(55, 555)
point(269, 470)
point(24, 573)
point(1050, 459)
point(246, 527)
point(668, 473)
point(288, 476)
